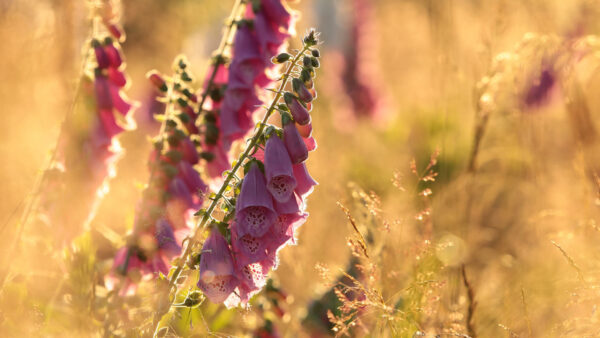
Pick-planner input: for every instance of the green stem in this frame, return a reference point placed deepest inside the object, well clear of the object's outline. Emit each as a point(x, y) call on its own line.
point(207, 215)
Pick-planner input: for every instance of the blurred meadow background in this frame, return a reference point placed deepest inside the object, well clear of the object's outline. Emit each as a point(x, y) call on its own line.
point(457, 137)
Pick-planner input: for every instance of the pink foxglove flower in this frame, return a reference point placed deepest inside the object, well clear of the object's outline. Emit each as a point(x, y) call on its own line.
point(303, 93)
point(293, 205)
point(252, 278)
point(165, 237)
point(298, 111)
point(278, 169)
point(305, 182)
point(305, 131)
point(359, 75)
point(269, 210)
point(294, 143)
point(88, 149)
point(217, 279)
point(255, 213)
point(175, 189)
point(247, 248)
point(254, 46)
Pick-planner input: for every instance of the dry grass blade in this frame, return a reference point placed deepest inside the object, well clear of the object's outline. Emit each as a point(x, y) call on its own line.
point(571, 262)
point(362, 242)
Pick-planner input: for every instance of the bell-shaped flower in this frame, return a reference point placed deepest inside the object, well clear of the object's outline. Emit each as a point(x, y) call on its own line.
point(217, 279)
point(293, 141)
point(117, 77)
point(245, 290)
point(298, 111)
point(245, 45)
point(291, 206)
point(253, 275)
point(121, 104)
point(102, 91)
point(180, 192)
point(305, 131)
point(101, 58)
point(247, 248)
point(300, 89)
point(282, 232)
point(113, 54)
point(165, 238)
point(305, 182)
point(188, 149)
point(310, 142)
point(276, 12)
point(219, 161)
point(254, 208)
point(129, 277)
point(278, 169)
point(270, 36)
point(191, 178)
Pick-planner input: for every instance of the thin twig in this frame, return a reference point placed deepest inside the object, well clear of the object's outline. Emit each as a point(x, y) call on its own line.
point(472, 303)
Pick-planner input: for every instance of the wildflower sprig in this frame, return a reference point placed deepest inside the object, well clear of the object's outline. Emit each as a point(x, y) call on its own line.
point(245, 160)
point(173, 185)
point(182, 122)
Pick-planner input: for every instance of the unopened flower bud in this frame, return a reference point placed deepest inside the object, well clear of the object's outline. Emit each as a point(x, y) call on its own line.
point(281, 58)
point(315, 53)
point(186, 77)
point(191, 96)
point(169, 170)
point(181, 102)
point(101, 56)
point(299, 112)
point(157, 80)
point(311, 39)
point(208, 156)
point(211, 134)
point(301, 90)
point(185, 118)
point(113, 54)
point(306, 78)
point(173, 140)
point(116, 31)
point(314, 62)
point(210, 117)
point(174, 155)
point(306, 61)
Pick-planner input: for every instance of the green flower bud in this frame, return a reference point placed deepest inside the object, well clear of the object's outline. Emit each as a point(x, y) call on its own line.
point(281, 58)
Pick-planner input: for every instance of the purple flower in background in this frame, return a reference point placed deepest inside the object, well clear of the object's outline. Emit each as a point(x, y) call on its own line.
point(254, 46)
point(165, 238)
point(540, 89)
